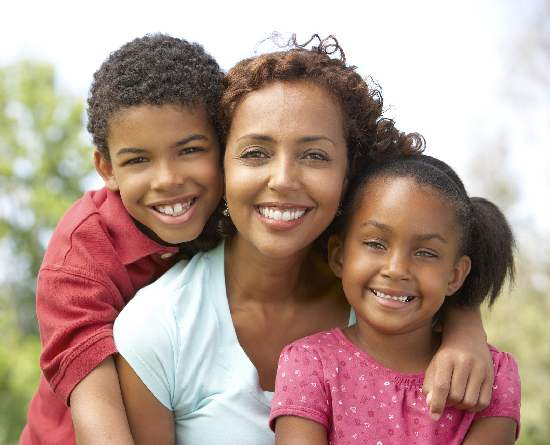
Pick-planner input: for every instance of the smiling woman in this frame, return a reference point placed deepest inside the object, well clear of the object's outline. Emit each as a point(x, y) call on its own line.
point(200, 366)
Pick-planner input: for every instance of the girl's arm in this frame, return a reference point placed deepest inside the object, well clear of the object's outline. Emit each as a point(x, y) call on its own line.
point(97, 409)
point(150, 421)
point(291, 430)
point(491, 431)
point(461, 372)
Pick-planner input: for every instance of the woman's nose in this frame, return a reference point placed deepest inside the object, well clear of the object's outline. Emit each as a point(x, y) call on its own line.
point(284, 175)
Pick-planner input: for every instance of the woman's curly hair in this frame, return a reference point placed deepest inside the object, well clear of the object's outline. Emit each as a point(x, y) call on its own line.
point(155, 69)
point(368, 134)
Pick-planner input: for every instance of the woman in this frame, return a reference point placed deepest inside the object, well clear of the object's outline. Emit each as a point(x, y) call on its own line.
point(200, 346)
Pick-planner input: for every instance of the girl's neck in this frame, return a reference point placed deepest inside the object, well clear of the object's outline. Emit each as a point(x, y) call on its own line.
point(410, 352)
point(254, 277)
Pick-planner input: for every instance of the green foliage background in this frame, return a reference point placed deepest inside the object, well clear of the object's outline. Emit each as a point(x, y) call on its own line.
point(43, 161)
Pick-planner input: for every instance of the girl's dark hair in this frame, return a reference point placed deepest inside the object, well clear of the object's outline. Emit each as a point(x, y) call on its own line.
point(154, 69)
point(367, 133)
point(486, 236)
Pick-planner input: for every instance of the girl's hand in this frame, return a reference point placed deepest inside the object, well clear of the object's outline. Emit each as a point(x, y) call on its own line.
point(461, 372)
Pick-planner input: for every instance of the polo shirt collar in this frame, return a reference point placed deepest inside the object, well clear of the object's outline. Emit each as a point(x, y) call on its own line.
point(130, 242)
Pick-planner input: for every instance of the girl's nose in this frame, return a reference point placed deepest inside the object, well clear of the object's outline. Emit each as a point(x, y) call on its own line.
point(284, 175)
point(397, 266)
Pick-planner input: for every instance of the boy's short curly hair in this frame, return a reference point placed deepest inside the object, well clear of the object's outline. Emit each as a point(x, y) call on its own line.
point(155, 69)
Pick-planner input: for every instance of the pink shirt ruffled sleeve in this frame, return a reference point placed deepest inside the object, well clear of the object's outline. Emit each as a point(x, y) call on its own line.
point(300, 389)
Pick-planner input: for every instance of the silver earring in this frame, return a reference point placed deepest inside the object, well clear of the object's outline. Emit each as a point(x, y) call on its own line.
point(225, 210)
point(339, 211)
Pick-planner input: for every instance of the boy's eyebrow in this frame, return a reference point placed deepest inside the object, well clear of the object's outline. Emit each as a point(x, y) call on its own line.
point(386, 228)
point(185, 140)
point(131, 150)
point(191, 138)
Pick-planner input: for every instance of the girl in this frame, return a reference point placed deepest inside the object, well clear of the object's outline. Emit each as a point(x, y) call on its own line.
point(411, 242)
point(200, 346)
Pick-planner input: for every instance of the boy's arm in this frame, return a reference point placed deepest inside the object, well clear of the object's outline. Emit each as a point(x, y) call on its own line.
point(150, 421)
point(291, 430)
point(97, 409)
point(461, 372)
point(492, 431)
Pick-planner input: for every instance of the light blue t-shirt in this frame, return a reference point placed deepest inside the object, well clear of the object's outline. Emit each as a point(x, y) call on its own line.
point(178, 336)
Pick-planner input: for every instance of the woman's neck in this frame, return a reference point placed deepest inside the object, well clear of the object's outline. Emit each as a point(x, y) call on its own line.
point(254, 277)
point(409, 352)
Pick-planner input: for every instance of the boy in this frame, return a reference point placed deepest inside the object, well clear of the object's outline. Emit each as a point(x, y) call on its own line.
point(151, 113)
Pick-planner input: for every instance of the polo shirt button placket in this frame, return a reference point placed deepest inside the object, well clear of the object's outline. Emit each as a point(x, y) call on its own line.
point(166, 256)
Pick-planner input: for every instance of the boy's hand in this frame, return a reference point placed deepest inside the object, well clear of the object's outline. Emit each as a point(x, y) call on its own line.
point(459, 378)
point(461, 372)
point(97, 409)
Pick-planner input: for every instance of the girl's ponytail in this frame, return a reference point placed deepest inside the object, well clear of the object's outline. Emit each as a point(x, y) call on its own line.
point(490, 245)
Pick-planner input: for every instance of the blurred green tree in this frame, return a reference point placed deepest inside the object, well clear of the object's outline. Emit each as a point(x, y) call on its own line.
point(44, 158)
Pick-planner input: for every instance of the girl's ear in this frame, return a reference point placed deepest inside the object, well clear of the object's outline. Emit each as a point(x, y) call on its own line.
point(105, 170)
point(459, 274)
point(335, 255)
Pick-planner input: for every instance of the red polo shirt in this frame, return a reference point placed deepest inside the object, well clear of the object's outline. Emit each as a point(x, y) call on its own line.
point(96, 261)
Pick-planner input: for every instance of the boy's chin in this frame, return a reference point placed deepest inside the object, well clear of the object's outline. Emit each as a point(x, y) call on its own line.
point(166, 239)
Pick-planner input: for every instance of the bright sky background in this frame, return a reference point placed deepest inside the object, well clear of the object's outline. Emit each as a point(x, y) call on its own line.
point(443, 66)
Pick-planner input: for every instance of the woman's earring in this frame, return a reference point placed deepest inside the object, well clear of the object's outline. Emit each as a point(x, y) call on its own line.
point(339, 211)
point(225, 210)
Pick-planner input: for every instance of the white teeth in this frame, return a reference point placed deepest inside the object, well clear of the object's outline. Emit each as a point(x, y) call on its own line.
point(175, 210)
point(281, 215)
point(402, 299)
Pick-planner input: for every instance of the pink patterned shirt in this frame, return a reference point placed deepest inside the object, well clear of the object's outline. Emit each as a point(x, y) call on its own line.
point(327, 379)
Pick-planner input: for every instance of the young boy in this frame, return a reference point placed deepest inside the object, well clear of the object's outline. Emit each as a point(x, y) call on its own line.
point(151, 114)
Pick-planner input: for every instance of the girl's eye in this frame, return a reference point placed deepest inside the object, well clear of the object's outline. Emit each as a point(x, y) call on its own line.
point(374, 245)
point(134, 161)
point(426, 254)
point(316, 156)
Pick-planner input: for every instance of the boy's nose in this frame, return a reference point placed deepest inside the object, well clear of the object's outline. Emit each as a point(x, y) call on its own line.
point(167, 176)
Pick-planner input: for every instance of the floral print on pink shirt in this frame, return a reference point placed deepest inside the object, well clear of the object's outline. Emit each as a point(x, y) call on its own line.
point(327, 379)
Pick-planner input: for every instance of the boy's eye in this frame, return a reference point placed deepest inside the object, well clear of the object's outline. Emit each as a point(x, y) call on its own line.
point(134, 161)
point(191, 150)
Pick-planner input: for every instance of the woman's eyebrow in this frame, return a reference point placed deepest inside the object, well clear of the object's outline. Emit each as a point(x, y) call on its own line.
point(257, 137)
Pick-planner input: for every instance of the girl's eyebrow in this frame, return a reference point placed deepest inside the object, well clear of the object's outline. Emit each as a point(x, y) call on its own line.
point(389, 229)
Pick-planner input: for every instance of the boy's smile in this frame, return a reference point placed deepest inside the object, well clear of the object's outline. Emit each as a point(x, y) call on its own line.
point(165, 162)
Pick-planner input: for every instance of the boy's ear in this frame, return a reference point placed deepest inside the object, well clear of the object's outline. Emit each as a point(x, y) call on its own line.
point(105, 170)
point(335, 254)
point(459, 274)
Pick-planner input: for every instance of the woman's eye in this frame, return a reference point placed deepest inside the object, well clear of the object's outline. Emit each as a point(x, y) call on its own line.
point(134, 161)
point(254, 153)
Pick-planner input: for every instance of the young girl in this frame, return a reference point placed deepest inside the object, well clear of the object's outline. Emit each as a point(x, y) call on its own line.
point(413, 242)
